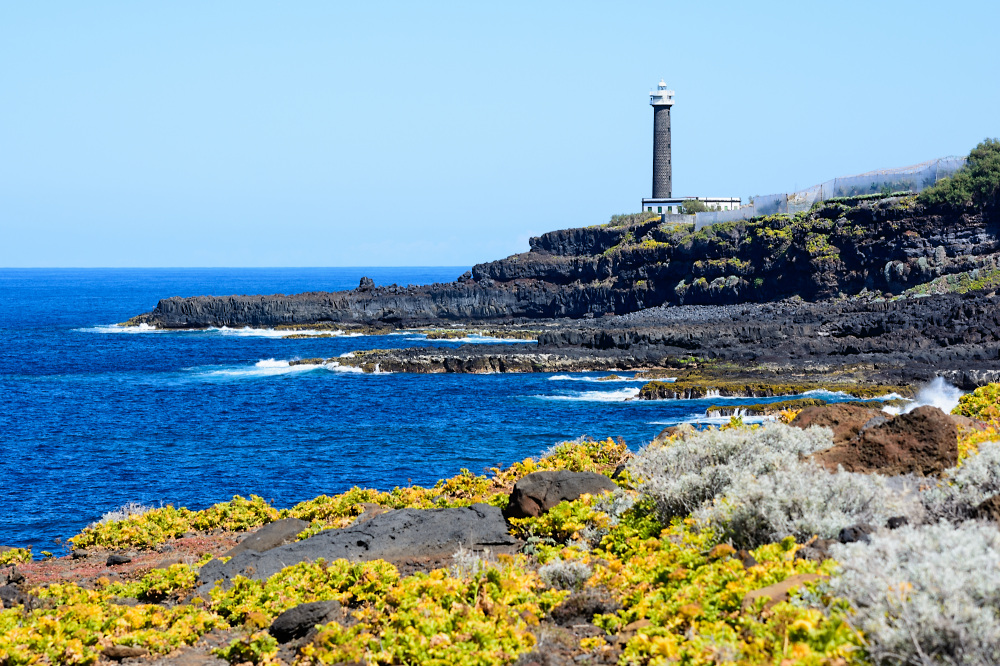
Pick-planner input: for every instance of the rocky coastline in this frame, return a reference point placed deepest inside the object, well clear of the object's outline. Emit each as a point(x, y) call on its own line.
point(845, 286)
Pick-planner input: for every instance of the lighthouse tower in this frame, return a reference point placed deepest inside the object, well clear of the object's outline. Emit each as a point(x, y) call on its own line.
point(663, 201)
point(661, 100)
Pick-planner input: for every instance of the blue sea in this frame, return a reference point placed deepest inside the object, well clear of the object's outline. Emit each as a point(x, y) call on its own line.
point(93, 416)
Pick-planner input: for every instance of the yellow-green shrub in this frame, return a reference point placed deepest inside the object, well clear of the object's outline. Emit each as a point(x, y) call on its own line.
point(15, 556)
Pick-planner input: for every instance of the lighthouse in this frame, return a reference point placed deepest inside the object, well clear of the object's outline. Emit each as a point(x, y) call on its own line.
point(663, 202)
point(661, 100)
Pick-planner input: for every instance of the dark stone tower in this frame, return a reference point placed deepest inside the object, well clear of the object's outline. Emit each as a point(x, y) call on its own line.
point(661, 100)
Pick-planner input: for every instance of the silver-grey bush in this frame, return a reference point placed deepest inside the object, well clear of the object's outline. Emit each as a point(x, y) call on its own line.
point(683, 475)
point(925, 595)
point(963, 488)
point(801, 500)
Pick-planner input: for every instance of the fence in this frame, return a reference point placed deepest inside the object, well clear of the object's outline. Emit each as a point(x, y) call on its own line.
point(905, 179)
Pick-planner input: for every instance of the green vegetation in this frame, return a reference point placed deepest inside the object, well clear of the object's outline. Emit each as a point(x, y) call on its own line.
point(977, 183)
point(693, 206)
point(15, 556)
point(985, 278)
point(630, 219)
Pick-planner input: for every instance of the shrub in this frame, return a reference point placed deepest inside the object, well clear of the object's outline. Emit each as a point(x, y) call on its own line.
point(963, 488)
point(685, 474)
point(565, 574)
point(628, 219)
point(15, 556)
point(801, 500)
point(927, 594)
point(976, 183)
point(982, 404)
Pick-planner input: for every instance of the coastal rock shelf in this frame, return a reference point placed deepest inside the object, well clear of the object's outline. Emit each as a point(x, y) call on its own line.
point(772, 294)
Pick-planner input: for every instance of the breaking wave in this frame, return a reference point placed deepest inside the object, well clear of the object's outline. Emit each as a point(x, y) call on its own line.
point(265, 368)
point(115, 328)
point(570, 378)
point(939, 393)
point(620, 395)
point(247, 332)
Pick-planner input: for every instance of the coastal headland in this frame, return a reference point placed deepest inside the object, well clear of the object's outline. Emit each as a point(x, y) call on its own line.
point(889, 289)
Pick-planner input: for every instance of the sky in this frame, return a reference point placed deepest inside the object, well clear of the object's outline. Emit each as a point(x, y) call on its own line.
point(246, 134)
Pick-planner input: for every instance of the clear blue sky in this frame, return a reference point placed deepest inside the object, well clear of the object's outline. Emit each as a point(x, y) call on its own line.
point(376, 133)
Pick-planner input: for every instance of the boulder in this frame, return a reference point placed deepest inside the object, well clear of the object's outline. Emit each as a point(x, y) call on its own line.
point(922, 442)
point(538, 492)
point(298, 621)
point(270, 536)
point(846, 421)
point(115, 559)
point(989, 509)
point(856, 533)
point(119, 652)
point(395, 536)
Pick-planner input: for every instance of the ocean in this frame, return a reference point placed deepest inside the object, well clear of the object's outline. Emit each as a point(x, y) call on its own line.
point(93, 416)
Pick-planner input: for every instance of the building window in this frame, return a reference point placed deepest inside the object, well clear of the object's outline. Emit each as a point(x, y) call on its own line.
point(670, 209)
point(659, 209)
point(649, 209)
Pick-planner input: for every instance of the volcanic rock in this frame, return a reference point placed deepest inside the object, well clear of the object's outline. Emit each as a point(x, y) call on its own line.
point(538, 492)
point(115, 559)
point(298, 621)
point(846, 421)
point(989, 509)
point(270, 536)
point(922, 442)
point(395, 536)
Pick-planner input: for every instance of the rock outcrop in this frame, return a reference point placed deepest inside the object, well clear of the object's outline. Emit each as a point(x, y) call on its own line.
point(394, 536)
point(922, 442)
point(883, 246)
point(536, 493)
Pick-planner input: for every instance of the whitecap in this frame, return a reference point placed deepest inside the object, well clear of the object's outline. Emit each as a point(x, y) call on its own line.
point(248, 332)
point(570, 378)
point(620, 395)
point(118, 328)
point(266, 368)
point(336, 367)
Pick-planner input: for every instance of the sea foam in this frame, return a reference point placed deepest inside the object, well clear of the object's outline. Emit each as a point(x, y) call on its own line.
point(620, 395)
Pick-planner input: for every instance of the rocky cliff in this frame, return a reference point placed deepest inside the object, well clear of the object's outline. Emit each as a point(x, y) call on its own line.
point(886, 246)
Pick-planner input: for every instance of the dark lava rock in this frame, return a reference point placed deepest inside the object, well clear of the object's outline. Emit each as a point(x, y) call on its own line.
point(746, 558)
point(989, 509)
point(817, 551)
point(119, 652)
point(10, 575)
point(115, 559)
point(80, 554)
point(581, 607)
point(923, 442)
point(270, 536)
point(855, 533)
point(10, 596)
point(366, 284)
point(538, 492)
point(298, 621)
point(846, 421)
point(394, 536)
point(896, 522)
